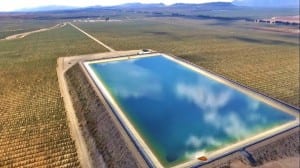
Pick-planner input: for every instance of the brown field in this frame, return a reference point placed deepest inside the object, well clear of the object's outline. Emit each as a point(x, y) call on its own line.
point(34, 130)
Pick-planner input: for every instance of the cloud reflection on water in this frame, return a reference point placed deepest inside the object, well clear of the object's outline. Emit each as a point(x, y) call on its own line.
point(203, 96)
point(140, 82)
point(211, 103)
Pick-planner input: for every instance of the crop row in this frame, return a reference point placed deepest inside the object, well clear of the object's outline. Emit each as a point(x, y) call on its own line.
point(33, 124)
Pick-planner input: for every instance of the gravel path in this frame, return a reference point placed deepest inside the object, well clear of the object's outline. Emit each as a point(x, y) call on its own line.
point(22, 35)
point(93, 38)
point(82, 149)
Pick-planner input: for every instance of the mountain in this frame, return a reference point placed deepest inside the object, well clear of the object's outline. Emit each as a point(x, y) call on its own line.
point(140, 5)
point(133, 6)
point(47, 8)
point(211, 4)
point(179, 6)
point(268, 3)
point(206, 6)
point(186, 6)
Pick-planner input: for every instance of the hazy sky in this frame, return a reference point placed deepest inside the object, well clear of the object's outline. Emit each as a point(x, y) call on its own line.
point(11, 5)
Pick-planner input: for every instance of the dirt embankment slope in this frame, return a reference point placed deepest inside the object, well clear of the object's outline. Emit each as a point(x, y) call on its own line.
point(103, 137)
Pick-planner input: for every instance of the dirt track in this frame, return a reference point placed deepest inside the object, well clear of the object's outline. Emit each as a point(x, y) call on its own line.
point(83, 153)
point(93, 38)
point(22, 35)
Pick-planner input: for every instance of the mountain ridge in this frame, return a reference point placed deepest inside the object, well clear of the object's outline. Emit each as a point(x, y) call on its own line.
point(206, 6)
point(48, 8)
point(268, 3)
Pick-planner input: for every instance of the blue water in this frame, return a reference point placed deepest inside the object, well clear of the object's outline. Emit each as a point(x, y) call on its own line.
point(179, 112)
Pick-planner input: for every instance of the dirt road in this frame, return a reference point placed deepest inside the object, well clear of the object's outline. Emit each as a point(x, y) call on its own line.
point(93, 38)
point(80, 143)
point(22, 35)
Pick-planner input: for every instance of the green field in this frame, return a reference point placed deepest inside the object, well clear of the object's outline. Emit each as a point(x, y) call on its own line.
point(265, 61)
point(33, 125)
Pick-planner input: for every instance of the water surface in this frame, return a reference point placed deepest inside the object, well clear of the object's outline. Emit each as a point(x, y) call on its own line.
point(181, 113)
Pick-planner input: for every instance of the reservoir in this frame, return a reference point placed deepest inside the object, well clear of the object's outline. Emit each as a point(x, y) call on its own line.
point(176, 112)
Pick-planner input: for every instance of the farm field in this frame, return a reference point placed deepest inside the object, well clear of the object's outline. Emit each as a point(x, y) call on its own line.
point(263, 60)
point(15, 26)
point(33, 124)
